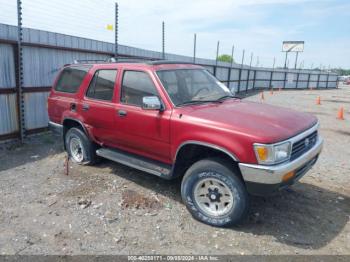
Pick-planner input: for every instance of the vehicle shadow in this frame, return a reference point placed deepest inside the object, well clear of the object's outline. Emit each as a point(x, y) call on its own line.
point(304, 215)
point(167, 188)
point(15, 154)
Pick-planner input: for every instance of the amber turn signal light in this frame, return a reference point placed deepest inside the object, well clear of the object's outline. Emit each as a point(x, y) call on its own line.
point(262, 153)
point(288, 176)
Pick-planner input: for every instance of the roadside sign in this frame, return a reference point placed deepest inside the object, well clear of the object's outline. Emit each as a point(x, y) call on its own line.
point(293, 46)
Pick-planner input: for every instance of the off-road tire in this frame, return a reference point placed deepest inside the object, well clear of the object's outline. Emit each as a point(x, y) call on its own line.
point(223, 174)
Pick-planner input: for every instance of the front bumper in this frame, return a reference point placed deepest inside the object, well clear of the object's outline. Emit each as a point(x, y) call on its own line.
point(262, 180)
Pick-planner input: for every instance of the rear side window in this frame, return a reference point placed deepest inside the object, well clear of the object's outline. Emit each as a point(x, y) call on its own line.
point(135, 86)
point(102, 85)
point(71, 79)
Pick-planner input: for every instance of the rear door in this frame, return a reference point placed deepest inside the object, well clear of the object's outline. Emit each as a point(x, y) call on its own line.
point(63, 96)
point(141, 131)
point(98, 106)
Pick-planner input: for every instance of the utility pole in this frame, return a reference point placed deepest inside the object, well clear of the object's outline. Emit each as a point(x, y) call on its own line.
point(251, 59)
point(194, 48)
point(274, 61)
point(163, 40)
point(116, 32)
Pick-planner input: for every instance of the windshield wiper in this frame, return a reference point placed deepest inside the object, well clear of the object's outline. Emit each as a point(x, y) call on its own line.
point(194, 102)
point(220, 99)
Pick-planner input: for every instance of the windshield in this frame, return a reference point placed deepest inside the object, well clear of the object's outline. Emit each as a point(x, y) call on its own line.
point(189, 86)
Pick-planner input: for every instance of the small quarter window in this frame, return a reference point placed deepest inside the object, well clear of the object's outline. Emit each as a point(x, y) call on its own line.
point(135, 86)
point(71, 79)
point(102, 85)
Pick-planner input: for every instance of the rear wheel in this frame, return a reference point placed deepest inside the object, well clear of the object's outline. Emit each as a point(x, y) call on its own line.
point(79, 147)
point(214, 194)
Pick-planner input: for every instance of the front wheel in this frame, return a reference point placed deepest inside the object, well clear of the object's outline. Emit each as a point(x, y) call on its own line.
point(214, 194)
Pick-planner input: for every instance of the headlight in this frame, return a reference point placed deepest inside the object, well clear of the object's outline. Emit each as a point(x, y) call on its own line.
point(272, 154)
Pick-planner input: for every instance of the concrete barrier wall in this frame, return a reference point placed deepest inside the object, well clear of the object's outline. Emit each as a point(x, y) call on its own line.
point(44, 53)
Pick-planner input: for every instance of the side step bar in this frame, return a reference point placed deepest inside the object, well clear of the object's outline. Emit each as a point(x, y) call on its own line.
point(141, 163)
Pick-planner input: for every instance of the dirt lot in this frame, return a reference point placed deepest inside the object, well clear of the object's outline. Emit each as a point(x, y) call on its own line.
point(112, 209)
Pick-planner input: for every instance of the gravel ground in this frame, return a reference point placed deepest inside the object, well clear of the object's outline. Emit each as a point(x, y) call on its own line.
point(112, 209)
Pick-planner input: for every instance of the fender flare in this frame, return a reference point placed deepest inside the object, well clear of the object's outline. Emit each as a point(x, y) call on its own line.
point(213, 146)
point(78, 121)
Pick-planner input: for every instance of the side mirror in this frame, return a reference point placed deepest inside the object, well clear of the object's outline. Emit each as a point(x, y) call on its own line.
point(151, 103)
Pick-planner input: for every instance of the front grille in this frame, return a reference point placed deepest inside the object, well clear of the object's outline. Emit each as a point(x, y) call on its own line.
point(303, 145)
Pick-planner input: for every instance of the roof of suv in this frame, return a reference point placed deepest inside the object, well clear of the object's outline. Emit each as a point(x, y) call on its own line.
point(158, 64)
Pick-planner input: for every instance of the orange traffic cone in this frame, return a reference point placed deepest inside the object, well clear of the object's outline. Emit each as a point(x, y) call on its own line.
point(341, 113)
point(318, 100)
point(262, 95)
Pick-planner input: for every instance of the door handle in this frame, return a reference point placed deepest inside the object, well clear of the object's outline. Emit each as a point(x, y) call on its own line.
point(73, 107)
point(86, 107)
point(122, 113)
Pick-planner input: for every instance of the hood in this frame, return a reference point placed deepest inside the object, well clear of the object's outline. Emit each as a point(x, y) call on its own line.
point(262, 122)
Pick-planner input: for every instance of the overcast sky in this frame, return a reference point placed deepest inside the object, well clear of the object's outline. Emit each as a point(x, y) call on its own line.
point(258, 26)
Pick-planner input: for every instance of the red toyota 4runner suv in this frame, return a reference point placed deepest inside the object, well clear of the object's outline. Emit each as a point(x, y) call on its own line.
point(177, 120)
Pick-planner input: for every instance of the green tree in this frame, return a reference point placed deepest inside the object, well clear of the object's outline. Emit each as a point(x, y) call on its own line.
point(225, 58)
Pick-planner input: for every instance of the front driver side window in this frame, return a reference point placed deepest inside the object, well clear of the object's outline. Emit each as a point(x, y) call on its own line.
point(136, 85)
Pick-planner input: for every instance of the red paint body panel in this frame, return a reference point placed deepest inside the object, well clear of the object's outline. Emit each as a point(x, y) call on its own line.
point(233, 125)
point(236, 124)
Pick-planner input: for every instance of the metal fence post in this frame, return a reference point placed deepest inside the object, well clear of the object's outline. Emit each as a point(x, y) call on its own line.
point(296, 85)
point(230, 68)
point(285, 79)
point(233, 50)
point(163, 40)
point(270, 83)
point(254, 79)
point(327, 80)
point(337, 83)
point(246, 86)
point(249, 70)
point(229, 77)
point(216, 58)
point(116, 32)
point(194, 48)
point(20, 71)
point(240, 72)
point(308, 80)
point(239, 80)
point(318, 80)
